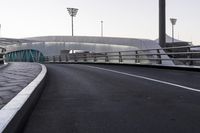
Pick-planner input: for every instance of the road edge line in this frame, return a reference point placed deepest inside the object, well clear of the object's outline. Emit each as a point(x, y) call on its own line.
point(147, 78)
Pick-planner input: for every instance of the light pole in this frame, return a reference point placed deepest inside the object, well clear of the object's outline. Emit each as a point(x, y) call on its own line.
point(173, 21)
point(101, 28)
point(0, 30)
point(72, 13)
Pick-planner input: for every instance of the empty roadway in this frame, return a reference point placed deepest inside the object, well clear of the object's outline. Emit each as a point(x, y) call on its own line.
point(117, 99)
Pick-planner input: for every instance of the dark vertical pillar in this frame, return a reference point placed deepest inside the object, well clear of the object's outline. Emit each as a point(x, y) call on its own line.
point(162, 23)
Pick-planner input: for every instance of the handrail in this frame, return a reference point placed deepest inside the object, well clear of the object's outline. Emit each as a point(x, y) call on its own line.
point(184, 56)
point(147, 54)
point(152, 49)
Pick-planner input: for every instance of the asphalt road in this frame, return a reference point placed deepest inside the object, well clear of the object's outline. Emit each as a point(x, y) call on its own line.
point(117, 99)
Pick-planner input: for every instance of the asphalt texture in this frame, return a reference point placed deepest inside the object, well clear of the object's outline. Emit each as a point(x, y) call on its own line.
point(81, 99)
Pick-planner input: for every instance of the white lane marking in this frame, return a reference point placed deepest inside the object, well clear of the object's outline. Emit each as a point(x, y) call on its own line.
point(146, 78)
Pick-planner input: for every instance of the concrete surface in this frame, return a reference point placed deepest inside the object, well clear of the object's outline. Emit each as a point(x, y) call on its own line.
point(14, 114)
point(85, 99)
point(15, 77)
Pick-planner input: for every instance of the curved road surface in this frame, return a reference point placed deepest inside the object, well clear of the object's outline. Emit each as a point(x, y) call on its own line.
point(117, 99)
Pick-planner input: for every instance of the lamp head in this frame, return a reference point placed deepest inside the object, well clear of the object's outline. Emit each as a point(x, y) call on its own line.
point(72, 11)
point(173, 21)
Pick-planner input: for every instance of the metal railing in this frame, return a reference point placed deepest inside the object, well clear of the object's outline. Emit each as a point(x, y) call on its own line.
point(25, 55)
point(182, 55)
point(2, 53)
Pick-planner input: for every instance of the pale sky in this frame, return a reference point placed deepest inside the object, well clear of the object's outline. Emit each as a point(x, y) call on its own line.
point(122, 18)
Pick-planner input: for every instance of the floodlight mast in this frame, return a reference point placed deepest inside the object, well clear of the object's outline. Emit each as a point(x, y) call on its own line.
point(0, 30)
point(72, 13)
point(173, 21)
point(101, 28)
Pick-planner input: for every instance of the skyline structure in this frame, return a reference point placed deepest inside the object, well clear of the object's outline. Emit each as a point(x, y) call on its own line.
point(101, 28)
point(72, 13)
point(173, 21)
point(22, 20)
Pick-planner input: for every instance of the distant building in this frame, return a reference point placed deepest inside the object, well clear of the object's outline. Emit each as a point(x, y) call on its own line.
point(56, 45)
point(53, 45)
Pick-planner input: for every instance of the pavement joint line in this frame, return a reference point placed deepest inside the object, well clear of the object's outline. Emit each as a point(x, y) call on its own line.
point(147, 78)
point(8, 112)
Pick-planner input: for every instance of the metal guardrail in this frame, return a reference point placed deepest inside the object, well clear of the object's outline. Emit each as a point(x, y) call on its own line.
point(184, 55)
point(24, 55)
point(2, 53)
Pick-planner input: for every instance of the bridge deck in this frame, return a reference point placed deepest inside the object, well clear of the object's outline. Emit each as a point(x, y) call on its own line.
point(117, 99)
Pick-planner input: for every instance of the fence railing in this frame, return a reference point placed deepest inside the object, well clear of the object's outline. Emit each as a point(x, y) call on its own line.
point(2, 53)
point(25, 55)
point(183, 55)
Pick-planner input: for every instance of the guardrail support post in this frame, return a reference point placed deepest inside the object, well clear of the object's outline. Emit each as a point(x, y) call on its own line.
point(189, 62)
point(75, 58)
point(2, 55)
point(137, 57)
point(159, 57)
point(60, 58)
point(106, 57)
point(54, 59)
point(120, 57)
point(95, 57)
point(66, 58)
point(85, 57)
point(1, 59)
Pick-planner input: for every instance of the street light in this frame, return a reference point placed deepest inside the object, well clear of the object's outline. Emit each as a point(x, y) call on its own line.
point(0, 30)
point(101, 28)
point(173, 21)
point(72, 13)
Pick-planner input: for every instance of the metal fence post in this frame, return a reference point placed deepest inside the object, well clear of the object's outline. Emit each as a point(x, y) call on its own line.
point(60, 58)
point(137, 57)
point(106, 57)
point(120, 57)
point(85, 57)
point(66, 58)
point(159, 57)
point(189, 56)
point(95, 58)
point(75, 58)
point(54, 59)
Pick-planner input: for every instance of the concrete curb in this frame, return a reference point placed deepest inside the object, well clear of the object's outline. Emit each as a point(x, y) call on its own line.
point(15, 113)
point(3, 66)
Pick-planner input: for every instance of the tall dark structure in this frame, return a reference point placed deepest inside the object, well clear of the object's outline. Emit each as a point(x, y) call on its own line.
point(162, 23)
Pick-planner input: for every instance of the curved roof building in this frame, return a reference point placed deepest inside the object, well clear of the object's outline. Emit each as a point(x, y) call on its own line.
point(52, 45)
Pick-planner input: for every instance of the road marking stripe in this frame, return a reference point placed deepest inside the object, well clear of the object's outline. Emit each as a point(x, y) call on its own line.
point(146, 78)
